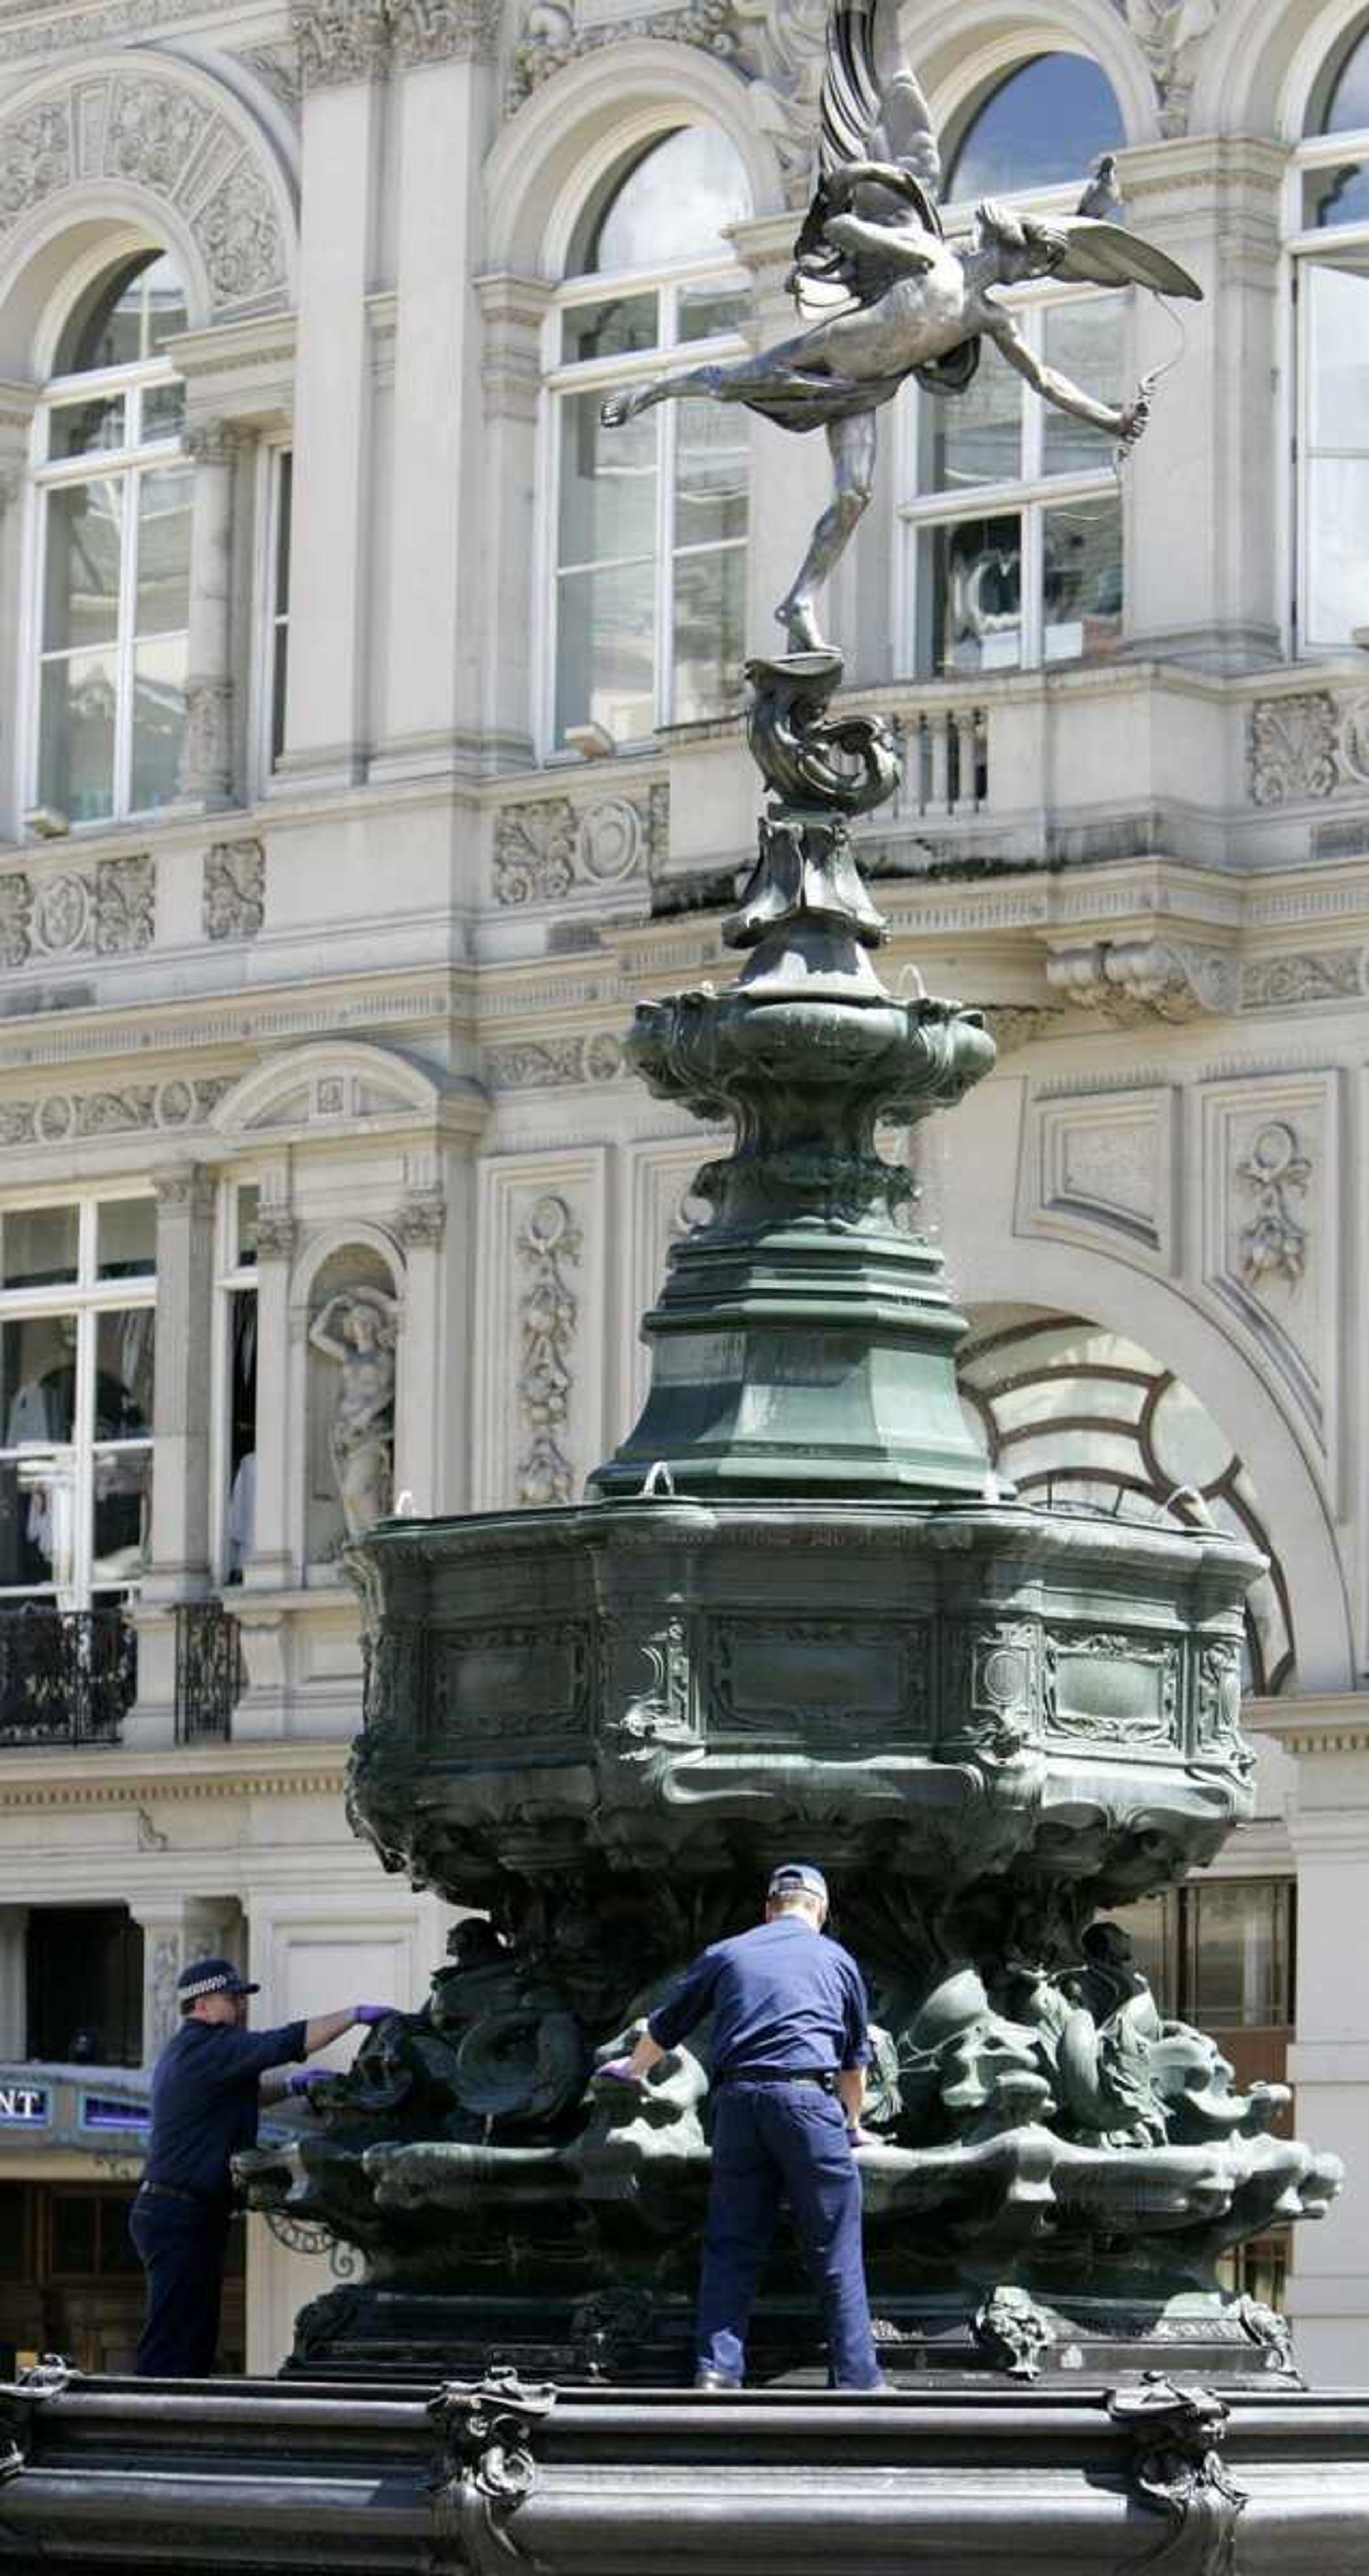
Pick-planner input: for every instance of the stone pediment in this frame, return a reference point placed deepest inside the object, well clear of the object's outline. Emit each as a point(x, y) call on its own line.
point(316, 1091)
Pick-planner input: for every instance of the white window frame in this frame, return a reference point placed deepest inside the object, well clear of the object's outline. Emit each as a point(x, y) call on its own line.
point(601, 375)
point(231, 1275)
point(129, 464)
point(1026, 497)
point(87, 1297)
point(1304, 245)
point(270, 624)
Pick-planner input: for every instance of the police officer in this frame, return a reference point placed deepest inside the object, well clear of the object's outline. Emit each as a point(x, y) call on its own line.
point(206, 2094)
point(790, 2048)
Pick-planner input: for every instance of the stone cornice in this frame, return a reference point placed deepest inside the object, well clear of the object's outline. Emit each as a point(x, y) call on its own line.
point(1329, 1722)
point(108, 1777)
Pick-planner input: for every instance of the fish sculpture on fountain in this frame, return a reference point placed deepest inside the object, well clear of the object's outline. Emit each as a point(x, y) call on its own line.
point(795, 1611)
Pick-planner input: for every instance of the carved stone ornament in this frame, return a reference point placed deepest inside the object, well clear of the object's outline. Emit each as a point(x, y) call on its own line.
point(165, 139)
point(340, 41)
point(1274, 1240)
point(1171, 35)
point(275, 1234)
point(1279, 983)
point(234, 890)
point(548, 1245)
point(1126, 980)
point(554, 1064)
point(1293, 748)
point(442, 31)
point(548, 848)
point(107, 911)
point(125, 895)
point(422, 1221)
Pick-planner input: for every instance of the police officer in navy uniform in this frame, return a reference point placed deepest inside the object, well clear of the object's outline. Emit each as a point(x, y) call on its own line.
point(206, 2095)
point(790, 2048)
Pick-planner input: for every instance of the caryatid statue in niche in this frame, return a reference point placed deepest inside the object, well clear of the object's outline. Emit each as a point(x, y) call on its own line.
point(915, 304)
point(359, 1328)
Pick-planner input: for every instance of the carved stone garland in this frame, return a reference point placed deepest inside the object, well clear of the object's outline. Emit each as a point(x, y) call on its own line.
point(548, 1243)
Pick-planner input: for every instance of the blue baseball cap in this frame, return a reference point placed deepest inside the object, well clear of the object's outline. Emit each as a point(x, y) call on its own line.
point(211, 1977)
point(797, 1878)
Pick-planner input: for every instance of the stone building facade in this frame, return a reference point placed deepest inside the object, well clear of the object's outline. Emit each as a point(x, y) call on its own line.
point(370, 743)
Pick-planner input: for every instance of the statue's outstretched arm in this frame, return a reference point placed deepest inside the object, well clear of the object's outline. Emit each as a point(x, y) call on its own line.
point(909, 253)
point(1125, 422)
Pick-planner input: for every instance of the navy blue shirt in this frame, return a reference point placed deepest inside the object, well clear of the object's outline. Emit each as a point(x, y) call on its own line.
point(781, 1995)
point(204, 2100)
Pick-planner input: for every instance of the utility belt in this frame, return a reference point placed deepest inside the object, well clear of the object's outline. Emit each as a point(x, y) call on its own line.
point(210, 2204)
point(822, 2076)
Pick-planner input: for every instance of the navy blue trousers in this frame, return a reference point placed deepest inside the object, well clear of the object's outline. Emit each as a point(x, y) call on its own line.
point(181, 2249)
point(774, 2142)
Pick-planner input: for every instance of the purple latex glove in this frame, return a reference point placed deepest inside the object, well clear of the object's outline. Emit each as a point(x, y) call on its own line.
point(620, 2068)
point(372, 2012)
point(859, 2137)
point(305, 2078)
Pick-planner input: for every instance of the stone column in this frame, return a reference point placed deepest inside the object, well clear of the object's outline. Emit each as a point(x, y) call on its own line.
point(344, 57)
point(421, 1225)
point(17, 404)
point(437, 634)
point(178, 1555)
point(514, 310)
point(206, 776)
point(14, 1924)
point(271, 1563)
point(177, 1929)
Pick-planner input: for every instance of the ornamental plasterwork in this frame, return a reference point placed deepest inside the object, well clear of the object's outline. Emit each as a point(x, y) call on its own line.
point(1171, 34)
point(548, 1244)
point(340, 41)
point(1273, 1243)
point(1274, 983)
point(60, 1117)
point(440, 31)
point(158, 135)
point(234, 890)
point(1126, 980)
point(1294, 748)
point(107, 911)
point(554, 1064)
point(277, 68)
point(547, 848)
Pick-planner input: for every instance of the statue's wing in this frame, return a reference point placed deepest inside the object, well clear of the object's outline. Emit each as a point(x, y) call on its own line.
point(1104, 255)
point(850, 89)
point(868, 112)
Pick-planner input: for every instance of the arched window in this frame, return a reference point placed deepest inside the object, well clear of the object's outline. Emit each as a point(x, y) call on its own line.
point(113, 603)
point(1041, 127)
point(1331, 284)
point(651, 519)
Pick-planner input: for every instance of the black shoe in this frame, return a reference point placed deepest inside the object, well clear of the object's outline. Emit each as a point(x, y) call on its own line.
point(715, 2382)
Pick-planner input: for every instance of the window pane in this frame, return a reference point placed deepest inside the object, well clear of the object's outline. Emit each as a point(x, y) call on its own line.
point(38, 1247)
point(123, 1514)
point(974, 437)
point(285, 493)
point(608, 485)
point(1332, 197)
point(247, 1205)
point(81, 604)
point(1348, 107)
point(1239, 1972)
point(674, 202)
point(37, 1521)
point(1152, 1927)
point(1084, 341)
point(124, 1343)
point(1039, 128)
point(164, 500)
point(1337, 543)
point(38, 1379)
point(702, 311)
point(163, 411)
point(1338, 355)
point(970, 587)
point(1083, 578)
point(610, 327)
point(126, 315)
point(712, 456)
point(80, 429)
point(127, 1241)
point(606, 651)
point(158, 723)
point(76, 757)
point(710, 618)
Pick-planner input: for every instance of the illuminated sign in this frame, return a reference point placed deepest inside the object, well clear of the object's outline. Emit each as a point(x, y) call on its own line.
point(23, 2106)
point(102, 2111)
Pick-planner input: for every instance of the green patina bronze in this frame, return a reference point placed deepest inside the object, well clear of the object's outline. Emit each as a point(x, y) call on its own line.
point(796, 1615)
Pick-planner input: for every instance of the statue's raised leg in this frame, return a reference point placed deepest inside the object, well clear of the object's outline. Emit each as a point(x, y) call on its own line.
point(854, 445)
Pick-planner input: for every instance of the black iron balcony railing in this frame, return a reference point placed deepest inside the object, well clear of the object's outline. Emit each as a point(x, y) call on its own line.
point(210, 1673)
point(66, 1676)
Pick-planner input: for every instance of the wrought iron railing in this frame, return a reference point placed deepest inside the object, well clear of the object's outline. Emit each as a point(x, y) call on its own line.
point(210, 1674)
point(66, 1676)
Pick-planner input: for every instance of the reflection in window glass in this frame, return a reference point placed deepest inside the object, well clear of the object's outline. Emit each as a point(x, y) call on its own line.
point(127, 1240)
point(606, 651)
point(1152, 1927)
point(701, 312)
point(1084, 341)
point(38, 1380)
point(971, 580)
point(612, 327)
point(608, 485)
point(125, 317)
point(1082, 578)
point(1039, 129)
point(122, 1505)
point(84, 429)
point(159, 677)
point(975, 437)
point(84, 556)
point(1332, 197)
point(710, 614)
point(1347, 110)
point(674, 203)
point(1240, 1954)
point(123, 1373)
point(38, 1246)
point(247, 1202)
point(76, 748)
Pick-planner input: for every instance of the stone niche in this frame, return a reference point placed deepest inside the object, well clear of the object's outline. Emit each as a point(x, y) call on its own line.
point(353, 1333)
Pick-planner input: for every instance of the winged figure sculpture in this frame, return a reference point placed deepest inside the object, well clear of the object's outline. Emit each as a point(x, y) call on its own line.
point(914, 304)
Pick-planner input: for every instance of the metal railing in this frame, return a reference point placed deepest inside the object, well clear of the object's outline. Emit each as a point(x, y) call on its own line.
point(210, 1674)
point(66, 1676)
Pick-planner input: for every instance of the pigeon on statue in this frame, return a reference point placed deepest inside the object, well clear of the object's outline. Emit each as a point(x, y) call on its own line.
point(1102, 198)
